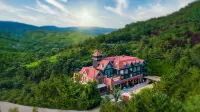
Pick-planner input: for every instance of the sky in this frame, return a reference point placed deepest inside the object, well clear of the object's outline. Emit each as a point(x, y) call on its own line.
point(99, 13)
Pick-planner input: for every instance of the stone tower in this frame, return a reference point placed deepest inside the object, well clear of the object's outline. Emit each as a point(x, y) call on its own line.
point(96, 58)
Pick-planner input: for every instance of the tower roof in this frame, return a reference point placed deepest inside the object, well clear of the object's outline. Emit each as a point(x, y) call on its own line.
point(96, 53)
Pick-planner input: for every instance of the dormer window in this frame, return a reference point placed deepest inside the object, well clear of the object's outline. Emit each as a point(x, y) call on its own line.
point(134, 68)
point(121, 72)
point(138, 68)
point(126, 71)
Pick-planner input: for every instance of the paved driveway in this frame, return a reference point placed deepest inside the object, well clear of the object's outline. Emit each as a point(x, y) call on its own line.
point(5, 106)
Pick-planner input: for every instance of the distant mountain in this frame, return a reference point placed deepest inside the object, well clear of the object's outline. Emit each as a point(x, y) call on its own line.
point(18, 29)
point(86, 30)
point(40, 41)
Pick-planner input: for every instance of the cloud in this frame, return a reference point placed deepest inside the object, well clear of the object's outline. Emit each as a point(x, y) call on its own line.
point(58, 5)
point(121, 5)
point(144, 11)
point(155, 10)
point(183, 3)
point(41, 8)
point(25, 17)
point(9, 8)
point(64, 0)
point(57, 12)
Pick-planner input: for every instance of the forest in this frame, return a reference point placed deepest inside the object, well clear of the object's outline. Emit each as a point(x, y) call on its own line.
point(39, 73)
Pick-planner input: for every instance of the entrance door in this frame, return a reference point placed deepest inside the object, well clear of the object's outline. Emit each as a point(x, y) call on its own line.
point(136, 81)
point(130, 83)
point(100, 80)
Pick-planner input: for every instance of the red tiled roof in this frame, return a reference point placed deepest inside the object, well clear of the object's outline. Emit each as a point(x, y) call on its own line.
point(91, 72)
point(102, 64)
point(96, 53)
point(117, 61)
point(121, 61)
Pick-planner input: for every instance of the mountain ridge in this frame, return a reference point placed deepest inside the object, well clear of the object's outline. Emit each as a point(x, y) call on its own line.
point(42, 76)
point(18, 28)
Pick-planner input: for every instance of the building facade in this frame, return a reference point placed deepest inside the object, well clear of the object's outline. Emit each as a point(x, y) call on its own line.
point(120, 71)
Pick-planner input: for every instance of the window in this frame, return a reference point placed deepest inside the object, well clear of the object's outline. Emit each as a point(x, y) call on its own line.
point(100, 80)
point(134, 68)
point(85, 79)
point(121, 72)
point(138, 68)
point(131, 75)
point(126, 71)
point(109, 66)
point(131, 69)
point(122, 76)
point(110, 73)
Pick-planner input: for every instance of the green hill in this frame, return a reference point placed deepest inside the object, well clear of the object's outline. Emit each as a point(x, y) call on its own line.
point(169, 44)
point(18, 29)
point(41, 40)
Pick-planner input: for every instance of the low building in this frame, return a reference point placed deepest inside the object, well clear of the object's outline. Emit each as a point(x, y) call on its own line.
point(120, 71)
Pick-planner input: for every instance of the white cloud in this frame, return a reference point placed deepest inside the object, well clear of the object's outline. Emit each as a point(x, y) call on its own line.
point(58, 5)
point(26, 17)
point(155, 10)
point(144, 12)
point(64, 0)
point(60, 13)
point(9, 8)
point(40, 7)
point(121, 5)
point(183, 3)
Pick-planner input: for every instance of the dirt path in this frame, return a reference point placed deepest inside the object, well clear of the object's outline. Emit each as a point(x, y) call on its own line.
point(5, 106)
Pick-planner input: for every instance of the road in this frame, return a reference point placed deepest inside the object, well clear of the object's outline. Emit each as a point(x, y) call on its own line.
point(5, 106)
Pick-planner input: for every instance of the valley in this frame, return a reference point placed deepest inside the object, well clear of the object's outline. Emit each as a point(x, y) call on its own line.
point(37, 66)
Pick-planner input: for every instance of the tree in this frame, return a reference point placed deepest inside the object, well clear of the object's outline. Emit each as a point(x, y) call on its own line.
point(15, 109)
point(107, 105)
point(35, 109)
point(116, 93)
point(192, 104)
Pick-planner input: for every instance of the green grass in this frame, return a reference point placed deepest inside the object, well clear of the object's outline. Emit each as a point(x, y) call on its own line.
point(53, 59)
point(33, 64)
point(58, 37)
